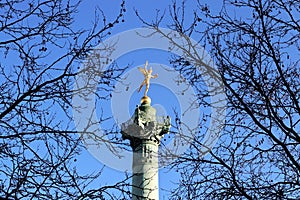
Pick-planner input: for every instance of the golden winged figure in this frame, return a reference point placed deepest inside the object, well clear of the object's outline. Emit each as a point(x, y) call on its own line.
point(148, 75)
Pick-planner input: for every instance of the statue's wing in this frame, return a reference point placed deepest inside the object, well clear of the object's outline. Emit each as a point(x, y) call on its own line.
point(142, 70)
point(155, 76)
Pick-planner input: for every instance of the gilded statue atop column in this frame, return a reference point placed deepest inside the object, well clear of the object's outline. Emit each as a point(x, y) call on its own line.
point(148, 75)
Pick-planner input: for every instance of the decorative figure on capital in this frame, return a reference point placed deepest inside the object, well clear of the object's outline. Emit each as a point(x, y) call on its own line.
point(148, 75)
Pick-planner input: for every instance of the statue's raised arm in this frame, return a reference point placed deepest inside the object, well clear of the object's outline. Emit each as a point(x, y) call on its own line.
point(148, 75)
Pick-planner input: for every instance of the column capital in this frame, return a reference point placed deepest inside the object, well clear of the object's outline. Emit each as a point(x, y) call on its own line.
point(145, 125)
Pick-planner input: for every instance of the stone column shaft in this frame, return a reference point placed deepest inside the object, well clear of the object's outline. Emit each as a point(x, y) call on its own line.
point(145, 171)
point(144, 132)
